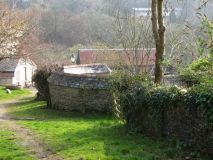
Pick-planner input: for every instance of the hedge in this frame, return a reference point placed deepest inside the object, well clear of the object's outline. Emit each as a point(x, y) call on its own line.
point(160, 111)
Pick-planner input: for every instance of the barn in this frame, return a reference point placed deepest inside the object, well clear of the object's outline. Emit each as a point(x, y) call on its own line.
point(16, 71)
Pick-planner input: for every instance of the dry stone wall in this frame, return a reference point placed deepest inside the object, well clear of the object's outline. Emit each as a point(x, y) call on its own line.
point(79, 93)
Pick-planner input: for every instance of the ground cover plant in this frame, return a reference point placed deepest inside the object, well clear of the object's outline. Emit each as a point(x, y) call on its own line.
point(9, 149)
point(14, 93)
point(90, 136)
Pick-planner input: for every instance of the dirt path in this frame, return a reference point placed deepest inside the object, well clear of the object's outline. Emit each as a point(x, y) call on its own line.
point(27, 138)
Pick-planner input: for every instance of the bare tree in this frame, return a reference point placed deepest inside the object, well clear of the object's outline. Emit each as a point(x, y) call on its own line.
point(133, 34)
point(158, 32)
point(180, 45)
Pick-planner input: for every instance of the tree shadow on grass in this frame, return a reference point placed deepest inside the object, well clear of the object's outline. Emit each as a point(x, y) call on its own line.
point(29, 108)
point(88, 135)
point(85, 135)
point(113, 141)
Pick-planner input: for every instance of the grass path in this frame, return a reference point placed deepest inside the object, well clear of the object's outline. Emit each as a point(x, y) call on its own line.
point(27, 138)
point(46, 134)
point(91, 136)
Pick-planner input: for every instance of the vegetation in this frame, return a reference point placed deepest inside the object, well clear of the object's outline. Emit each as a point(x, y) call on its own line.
point(182, 114)
point(12, 29)
point(41, 83)
point(9, 149)
point(201, 69)
point(90, 136)
point(161, 111)
point(14, 94)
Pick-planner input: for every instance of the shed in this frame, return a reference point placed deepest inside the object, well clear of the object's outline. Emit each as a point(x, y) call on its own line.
point(80, 88)
point(16, 71)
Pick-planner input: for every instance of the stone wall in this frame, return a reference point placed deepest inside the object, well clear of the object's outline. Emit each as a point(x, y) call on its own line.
point(173, 80)
point(5, 81)
point(79, 93)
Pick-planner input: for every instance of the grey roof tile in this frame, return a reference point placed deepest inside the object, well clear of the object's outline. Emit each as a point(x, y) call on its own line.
point(8, 64)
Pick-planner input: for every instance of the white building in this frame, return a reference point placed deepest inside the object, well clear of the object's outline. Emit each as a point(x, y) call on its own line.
point(16, 71)
point(146, 12)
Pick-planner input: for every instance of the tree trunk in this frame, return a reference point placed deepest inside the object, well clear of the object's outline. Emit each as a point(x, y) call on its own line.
point(158, 30)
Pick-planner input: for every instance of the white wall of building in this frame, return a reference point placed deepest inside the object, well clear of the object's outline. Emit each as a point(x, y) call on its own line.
point(24, 72)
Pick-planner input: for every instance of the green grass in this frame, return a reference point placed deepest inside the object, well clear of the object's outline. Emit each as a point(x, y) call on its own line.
point(9, 150)
point(14, 94)
point(77, 136)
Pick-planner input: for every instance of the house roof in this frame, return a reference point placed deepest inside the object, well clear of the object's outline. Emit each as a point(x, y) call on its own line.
point(8, 64)
point(143, 57)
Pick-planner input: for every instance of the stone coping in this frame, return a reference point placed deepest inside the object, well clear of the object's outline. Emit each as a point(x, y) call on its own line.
point(78, 81)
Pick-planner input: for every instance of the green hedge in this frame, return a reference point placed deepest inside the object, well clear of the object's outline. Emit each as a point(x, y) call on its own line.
point(162, 111)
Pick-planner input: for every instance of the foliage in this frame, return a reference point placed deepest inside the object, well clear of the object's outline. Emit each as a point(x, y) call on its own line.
point(12, 29)
point(171, 112)
point(82, 28)
point(122, 83)
point(90, 136)
point(205, 39)
point(41, 83)
point(201, 96)
point(199, 71)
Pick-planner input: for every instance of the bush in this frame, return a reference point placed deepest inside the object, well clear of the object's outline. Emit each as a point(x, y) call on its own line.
point(123, 83)
point(41, 83)
point(199, 71)
point(165, 111)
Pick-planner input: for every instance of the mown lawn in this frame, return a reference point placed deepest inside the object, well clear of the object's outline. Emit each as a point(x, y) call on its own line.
point(9, 149)
point(77, 136)
point(14, 93)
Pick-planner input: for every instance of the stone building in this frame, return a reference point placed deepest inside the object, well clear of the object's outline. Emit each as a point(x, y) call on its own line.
point(80, 88)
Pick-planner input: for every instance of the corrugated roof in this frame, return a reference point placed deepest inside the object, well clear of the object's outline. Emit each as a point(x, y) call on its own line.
point(8, 64)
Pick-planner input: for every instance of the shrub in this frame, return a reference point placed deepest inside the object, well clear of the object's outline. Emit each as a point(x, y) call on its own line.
point(165, 111)
point(199, 71)
point(122, 84)
point(41, 83)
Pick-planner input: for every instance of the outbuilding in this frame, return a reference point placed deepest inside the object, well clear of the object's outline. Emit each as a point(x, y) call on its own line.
point(16, 71)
